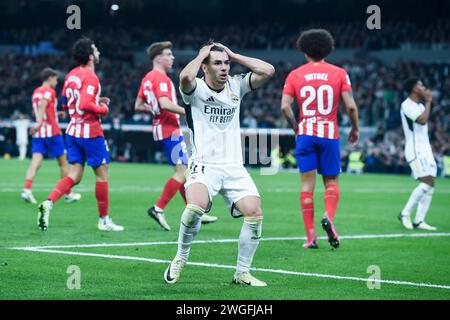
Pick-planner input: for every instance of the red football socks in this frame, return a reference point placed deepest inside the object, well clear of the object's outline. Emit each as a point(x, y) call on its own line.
point(331, 200)
point(64, 185)
point(170, 189)
point(307, 205)
point(28, 184)
point(101, 193)
point(183, 193)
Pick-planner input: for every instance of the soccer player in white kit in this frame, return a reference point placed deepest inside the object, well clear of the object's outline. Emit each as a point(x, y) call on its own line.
point(418, 153)
point(216, 164)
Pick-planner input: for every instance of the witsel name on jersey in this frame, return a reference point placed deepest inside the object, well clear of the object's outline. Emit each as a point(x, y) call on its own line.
point(316, 76)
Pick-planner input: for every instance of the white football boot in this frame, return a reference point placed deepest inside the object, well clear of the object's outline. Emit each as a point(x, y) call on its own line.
point(107, 224)
point(424, 226)
point(72, 197)
point(43, 214)
point(406, 221)
point(173, 271)
point(245, 278)
point(27, 195)
point(207, 218)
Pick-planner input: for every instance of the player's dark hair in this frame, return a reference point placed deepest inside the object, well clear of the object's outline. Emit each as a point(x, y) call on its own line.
point(82, 49)
point(157, 48)
point(316, 43)
point(409, 84)
point(47, 73)
point(213, 48)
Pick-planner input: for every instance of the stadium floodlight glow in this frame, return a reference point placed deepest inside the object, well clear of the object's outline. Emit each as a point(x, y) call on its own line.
point(114, 7)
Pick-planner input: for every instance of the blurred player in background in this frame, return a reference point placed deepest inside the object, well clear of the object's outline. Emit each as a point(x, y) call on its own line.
point(22, 124)
point(318, 86)
point(47, 138)
point(84, 135)
point(418, 153)
point(216, 164)
point(157, 95)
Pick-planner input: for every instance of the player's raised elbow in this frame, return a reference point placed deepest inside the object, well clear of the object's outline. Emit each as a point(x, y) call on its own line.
point(186, 78)
point(268, 71)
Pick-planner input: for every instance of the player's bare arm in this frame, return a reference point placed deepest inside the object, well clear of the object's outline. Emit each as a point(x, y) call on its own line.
point(262, 71)
point(168, 105)
point(189, 73)
point(286, 107)
point(42, 106)
point(352, 111)
point(423, 118)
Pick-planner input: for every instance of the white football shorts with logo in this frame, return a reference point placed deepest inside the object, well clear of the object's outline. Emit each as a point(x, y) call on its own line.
point(232, 182)
point(423, 165)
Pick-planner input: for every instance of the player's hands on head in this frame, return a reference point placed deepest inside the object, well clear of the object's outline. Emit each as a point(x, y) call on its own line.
point(204, 51)
point(353, 137)
point(227, 50)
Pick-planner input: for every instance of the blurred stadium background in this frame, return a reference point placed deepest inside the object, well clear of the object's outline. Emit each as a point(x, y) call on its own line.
point(414, 40)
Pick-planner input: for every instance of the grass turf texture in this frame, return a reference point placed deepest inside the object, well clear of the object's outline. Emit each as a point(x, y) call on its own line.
point(369, 205)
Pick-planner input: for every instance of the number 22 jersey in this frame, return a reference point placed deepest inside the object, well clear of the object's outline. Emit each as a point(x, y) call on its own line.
point(80, 96)
point(317, 86)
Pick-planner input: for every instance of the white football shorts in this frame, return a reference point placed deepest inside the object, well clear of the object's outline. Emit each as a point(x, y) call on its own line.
point(232, 182)
point(423, 165)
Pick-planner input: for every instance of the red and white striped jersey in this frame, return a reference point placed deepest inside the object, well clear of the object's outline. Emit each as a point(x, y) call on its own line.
point(155, 85)
point(80, 96)
point(317, 86)
point(50, 127)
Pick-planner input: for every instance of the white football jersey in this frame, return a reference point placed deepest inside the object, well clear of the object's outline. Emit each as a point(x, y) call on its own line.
point(213, 119)
point(417, 142)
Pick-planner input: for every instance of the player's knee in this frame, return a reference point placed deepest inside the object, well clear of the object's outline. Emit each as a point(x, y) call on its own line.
point(199, 204)
point(255, 212)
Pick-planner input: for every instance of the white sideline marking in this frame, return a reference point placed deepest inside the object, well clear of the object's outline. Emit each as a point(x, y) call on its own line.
point(210, 265)
point(157, 243)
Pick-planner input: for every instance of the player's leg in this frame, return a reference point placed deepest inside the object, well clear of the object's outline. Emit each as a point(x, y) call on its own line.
point(307, 163)
point(308, 180)
point(424, 205)
point(329, 158)
point(36, 162)
point(22, 150)
point(97, 157)
point(105, 223)
point(77, 158)
point(61, 159)
point(249, 238)
point(239, 189)
point(426, 185)
point(175, 150)
point(198, 199)
point(64, 185)
point(173, 185)
point(332, 195)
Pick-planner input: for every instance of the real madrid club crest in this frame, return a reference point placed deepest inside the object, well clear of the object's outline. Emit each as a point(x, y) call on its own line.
point(234, 98)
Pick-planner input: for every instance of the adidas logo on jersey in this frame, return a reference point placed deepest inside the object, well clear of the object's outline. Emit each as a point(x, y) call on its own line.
point(211, 99)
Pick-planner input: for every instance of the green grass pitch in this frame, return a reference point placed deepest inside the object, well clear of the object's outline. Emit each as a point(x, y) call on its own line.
point(410, 267)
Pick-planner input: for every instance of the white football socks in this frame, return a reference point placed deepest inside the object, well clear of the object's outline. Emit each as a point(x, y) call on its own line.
point(423, 206)
point(189, 227)
point(248, 243)
point(415, 198)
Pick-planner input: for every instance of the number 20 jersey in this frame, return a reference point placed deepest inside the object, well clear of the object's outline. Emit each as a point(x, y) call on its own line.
point(81, 88)
point(317, 86)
